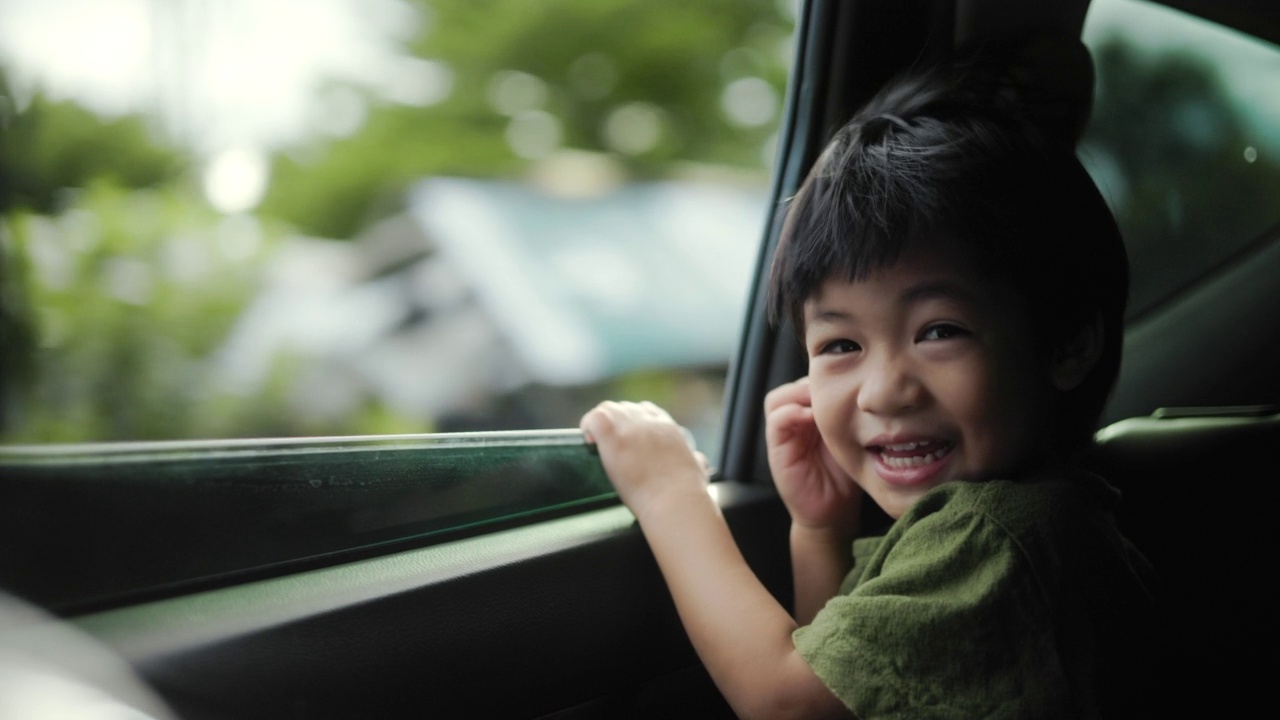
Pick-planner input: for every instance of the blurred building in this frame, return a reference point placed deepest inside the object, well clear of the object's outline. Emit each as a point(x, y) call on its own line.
point(480, 288)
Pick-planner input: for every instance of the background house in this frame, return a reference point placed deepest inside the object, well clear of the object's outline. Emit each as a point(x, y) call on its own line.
point(481, 293)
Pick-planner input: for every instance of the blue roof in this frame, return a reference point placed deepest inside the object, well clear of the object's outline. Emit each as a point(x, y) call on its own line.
point(652, 274)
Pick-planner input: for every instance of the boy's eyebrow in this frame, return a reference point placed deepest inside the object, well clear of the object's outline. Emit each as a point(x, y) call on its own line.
point(925, 290)
point(829, 315)
point(930, 289)
point(820, 315)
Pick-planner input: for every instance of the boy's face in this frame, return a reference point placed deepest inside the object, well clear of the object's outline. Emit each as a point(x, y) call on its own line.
point(925, 373)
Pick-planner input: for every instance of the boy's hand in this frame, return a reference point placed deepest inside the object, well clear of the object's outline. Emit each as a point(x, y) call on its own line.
point(817, 492)
point(645, 453)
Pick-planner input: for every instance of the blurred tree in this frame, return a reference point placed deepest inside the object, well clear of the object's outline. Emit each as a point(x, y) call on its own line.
point(47, 151)
point(650, 81)
point(48, 147)
point(131, 297)
point(17, 330)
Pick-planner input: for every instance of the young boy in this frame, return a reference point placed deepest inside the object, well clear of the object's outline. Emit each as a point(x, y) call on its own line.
point(959, 285)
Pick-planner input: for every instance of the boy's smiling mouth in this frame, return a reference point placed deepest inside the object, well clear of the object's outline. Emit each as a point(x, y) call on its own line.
point(912, 455)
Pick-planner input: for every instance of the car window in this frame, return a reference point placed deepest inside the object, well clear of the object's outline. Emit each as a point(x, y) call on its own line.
point(1184, 140)
point(236, 233)
point(231, 220)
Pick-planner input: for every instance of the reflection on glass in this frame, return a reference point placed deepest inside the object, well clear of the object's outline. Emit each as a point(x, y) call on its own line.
point(1183, 142)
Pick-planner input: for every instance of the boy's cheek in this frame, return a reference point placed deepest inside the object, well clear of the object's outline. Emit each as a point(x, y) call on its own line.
point(851, 466)
point(857, 480)
point(827, 421)
point(833, 425)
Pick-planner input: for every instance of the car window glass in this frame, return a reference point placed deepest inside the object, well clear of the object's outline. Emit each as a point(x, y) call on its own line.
point(300, 218)
point(1184, 140)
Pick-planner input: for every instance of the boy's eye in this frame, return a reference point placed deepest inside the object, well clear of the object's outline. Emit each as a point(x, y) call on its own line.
point(943, 331)
point(839, 347)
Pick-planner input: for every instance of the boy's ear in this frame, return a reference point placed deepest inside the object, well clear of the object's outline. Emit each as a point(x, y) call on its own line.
point(1075, 356)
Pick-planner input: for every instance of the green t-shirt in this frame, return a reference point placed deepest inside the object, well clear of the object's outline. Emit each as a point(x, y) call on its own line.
point(995, 599)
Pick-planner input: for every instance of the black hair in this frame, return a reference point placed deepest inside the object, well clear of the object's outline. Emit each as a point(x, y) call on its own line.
point(946, 155)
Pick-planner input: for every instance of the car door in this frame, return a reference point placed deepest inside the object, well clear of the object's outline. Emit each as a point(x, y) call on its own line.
point(556, 609)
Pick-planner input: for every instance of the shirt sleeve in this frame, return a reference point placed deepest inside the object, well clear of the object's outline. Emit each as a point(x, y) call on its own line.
point(949, 622)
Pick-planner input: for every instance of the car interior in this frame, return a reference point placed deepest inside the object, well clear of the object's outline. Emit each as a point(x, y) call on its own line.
point(564, 614)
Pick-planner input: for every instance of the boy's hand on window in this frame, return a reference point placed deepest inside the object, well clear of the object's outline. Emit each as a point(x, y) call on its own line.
point(817, 492)
point(645, 453)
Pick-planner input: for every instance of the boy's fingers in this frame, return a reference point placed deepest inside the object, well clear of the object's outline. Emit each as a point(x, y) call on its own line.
point(703, 462)
point(785, 420)
point(598, 422)
point(796, 392)
point(789, 433)
point(655, 411)
point(609, 419)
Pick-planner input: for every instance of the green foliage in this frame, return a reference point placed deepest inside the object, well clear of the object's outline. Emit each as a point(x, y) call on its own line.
point(17, 326)
point(357, 179)
point(674, 56)
point(48, 147)
point(125, 325)
point(130, 294)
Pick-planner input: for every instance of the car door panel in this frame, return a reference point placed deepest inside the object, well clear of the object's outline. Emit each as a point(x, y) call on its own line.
point(518, 623)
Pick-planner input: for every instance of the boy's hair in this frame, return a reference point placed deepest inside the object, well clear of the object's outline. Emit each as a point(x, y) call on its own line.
point(947, 156)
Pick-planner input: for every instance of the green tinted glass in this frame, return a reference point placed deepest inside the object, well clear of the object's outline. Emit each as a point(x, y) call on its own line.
point(85, 525)
point(1183, 141)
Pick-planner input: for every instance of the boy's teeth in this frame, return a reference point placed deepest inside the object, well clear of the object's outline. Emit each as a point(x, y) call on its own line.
point(912, 460)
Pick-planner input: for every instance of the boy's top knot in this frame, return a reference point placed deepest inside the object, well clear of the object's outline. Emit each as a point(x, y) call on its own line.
point(1050, 80)
point(1044, 86)
point(875, 129)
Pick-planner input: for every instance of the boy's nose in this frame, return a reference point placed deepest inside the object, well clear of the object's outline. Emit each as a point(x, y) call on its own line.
point(889, 388)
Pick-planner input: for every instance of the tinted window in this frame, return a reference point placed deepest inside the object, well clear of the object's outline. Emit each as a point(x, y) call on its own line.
point(1184, 140)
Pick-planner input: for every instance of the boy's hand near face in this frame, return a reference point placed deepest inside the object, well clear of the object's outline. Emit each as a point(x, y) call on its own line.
point(824, 502)
point(817, 492)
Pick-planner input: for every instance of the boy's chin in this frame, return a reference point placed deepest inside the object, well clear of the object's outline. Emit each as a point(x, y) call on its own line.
point(896, 502)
